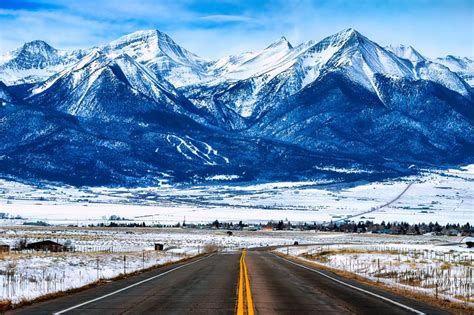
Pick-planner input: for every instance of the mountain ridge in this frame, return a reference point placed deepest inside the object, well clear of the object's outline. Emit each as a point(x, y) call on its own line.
point(142, 110)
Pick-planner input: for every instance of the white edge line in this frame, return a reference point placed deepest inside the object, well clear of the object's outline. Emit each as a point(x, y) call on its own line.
point(126, 288)
point(356, 288)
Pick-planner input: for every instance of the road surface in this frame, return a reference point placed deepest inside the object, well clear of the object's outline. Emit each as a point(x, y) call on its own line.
point(210, 285)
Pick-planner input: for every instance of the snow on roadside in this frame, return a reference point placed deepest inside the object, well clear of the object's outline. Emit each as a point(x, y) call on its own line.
point(436, 270)
point(28, 276)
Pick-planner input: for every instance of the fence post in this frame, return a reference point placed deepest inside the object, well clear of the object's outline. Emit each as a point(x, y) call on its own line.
point(124, 264)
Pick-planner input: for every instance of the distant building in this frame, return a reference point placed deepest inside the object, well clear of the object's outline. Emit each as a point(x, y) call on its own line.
point(159, 246)
point(4, 248)
point(46, 246)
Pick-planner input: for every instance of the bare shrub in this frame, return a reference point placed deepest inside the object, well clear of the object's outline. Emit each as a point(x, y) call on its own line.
point(209, 248)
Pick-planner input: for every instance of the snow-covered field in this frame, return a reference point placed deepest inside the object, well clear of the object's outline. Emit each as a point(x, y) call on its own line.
point(446, 197)
point(443, 196)
point(28, 274)
point(99, 254)
point(438, 270)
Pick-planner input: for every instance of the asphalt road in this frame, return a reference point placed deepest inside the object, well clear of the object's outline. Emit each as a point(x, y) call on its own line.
point(281, 287)
point(204, 286)
point(209, 286)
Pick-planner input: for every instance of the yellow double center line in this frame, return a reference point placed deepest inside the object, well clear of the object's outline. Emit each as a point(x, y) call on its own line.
point(244, 295)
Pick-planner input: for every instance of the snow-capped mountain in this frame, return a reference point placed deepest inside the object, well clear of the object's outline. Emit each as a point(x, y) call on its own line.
point(464, 67)
point(252, 83)
point(111, 88)
point(406, 52)
point(34, 62)
point(78, 90)
point(161, 54)
point(142, 108)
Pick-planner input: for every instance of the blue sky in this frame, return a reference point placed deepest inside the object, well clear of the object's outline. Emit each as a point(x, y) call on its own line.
point(216, 28)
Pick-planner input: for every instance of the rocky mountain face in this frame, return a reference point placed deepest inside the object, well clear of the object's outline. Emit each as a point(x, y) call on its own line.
point(143, 110)
point(462, 66)
point(34, 62)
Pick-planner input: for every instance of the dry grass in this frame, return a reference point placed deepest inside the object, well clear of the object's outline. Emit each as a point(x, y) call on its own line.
point(452, 307)
point(5, 305)
point(210, 248)
point(59, 294)
point(445, 266)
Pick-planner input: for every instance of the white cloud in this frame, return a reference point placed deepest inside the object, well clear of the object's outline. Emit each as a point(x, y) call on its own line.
point(212, 33)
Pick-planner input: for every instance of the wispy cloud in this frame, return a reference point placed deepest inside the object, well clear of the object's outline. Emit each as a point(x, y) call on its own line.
point(213, 28)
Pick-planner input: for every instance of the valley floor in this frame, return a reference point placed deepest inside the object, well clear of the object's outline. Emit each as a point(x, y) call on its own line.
point(442, 196)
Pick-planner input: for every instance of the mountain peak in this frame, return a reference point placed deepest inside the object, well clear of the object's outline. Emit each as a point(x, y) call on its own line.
point(348, 33)
point(141, 35)
point(146, 45)
point(282, 42)
point(344, 36)
point(36, 47)
point(37, 43)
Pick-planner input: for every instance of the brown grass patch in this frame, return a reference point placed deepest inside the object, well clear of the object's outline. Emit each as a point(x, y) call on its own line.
point(5, 305)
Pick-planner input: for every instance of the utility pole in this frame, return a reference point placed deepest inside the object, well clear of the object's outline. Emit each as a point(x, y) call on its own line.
point(98, 272)
point(143, 259)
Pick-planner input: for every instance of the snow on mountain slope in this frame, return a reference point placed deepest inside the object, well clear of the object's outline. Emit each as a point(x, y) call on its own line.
point(276, 57)
point(250, 84)
point(34, 62)
point(464, 67)
point(361, 59)
point(431, 70)
point(281, 70)
point(161, 54)
point(5, 96)
point(90, 87)
point(406, 52)
point(438, 73)
point(283, 112)
point(193, 149)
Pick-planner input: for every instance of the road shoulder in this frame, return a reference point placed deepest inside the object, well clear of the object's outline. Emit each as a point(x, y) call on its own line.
point(421, 302)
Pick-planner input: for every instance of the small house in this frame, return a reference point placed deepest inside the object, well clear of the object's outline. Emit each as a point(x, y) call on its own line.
point(159, 246)
point(46, 246)
point(4, 248)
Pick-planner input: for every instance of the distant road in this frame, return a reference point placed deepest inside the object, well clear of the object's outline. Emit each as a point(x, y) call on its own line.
point(210, 286)
point(379, 207)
